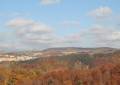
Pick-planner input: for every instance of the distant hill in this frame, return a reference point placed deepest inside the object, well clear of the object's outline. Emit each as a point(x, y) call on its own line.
point(80, 50)
point(63, 53)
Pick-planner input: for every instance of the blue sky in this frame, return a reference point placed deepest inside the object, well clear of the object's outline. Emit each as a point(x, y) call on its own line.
point(39, 24)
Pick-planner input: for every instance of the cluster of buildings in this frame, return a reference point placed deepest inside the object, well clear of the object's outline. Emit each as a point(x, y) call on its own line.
point(6, 57)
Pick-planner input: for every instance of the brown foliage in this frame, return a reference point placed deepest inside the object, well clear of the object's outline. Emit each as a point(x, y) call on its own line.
point(54, 73)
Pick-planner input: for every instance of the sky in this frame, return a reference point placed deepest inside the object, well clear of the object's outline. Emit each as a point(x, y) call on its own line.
point(41, 24)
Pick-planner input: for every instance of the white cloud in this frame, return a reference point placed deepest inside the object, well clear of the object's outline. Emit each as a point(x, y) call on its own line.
point(101, 12)
point(26, 25)
point(49, 2)
point(70, 23)
point(36, 35)
point(19, 22)
point(31, 33)
point(105, 36)
point(97, 36)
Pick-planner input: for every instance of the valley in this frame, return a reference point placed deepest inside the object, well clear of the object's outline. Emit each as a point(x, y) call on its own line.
point(61, 66)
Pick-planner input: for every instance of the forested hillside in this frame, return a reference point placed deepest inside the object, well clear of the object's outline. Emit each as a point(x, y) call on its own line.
point(73, 69)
